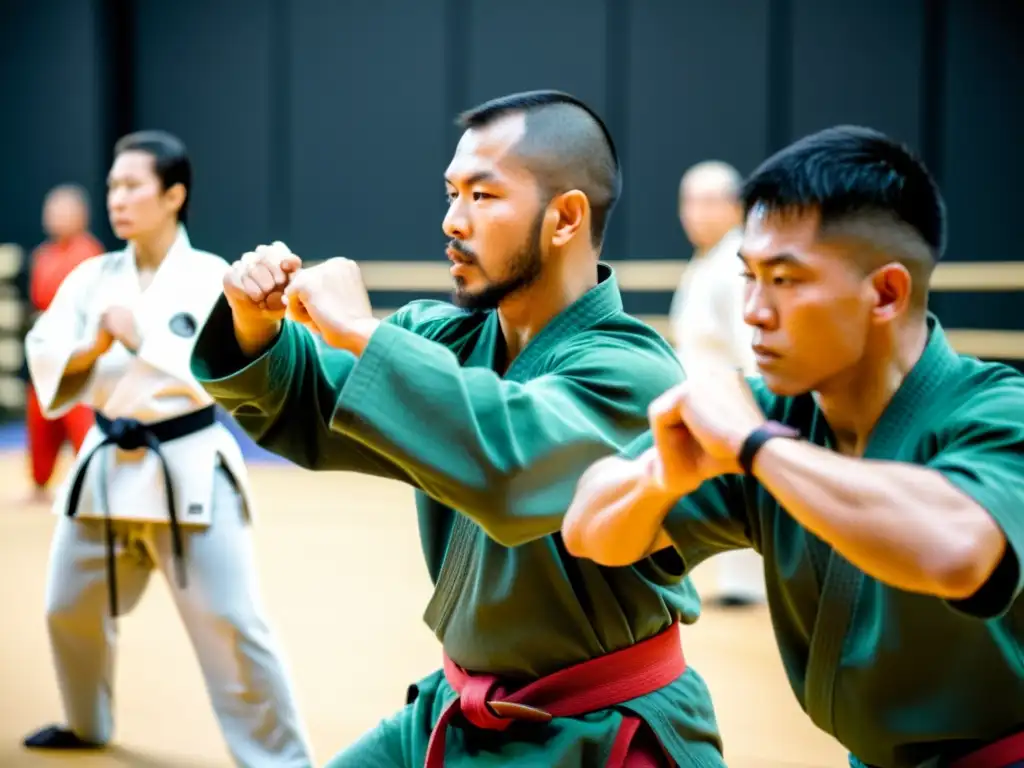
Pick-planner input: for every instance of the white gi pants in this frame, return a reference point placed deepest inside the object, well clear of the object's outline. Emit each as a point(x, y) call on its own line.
point(245, 677)
point(740, 573)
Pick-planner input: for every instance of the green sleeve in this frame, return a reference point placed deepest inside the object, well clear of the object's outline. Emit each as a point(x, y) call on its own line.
point(504, 453)
point(982, 453)
point(712, 519)
point(284, 399)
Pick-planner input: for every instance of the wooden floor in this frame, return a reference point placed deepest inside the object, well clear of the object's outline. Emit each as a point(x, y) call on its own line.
point(345, 586)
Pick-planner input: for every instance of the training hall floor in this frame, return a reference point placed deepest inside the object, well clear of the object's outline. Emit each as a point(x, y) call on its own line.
point(345, 587)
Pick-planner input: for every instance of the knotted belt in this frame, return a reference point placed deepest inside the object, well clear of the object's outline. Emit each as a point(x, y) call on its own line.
point(130, 435)
point(597, 684)
point(1005, 753)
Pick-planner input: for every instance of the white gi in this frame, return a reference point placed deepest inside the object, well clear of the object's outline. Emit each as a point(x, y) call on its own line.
point(708, 330)
point(123, 493)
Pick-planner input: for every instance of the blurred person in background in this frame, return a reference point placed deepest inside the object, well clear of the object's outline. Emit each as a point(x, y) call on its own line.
point(168, 489)
point(708, 327)
point(68, 244)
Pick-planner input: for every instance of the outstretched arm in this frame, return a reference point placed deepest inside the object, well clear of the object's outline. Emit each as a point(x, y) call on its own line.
point(951, 528)
point(622, 513)
point(284, 397)
point(617, 512)
point(505, 453)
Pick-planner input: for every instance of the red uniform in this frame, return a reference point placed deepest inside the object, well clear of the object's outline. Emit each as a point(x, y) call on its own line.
point(51, 263)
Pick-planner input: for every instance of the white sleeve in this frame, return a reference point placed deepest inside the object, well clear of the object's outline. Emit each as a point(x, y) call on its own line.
point(57, 334)
point(714, 333)
point(702, 338)
point(677, 312)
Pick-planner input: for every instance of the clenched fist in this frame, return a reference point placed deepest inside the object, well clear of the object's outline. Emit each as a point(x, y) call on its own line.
point(254, 287)
point(699, 428)
point(331, 300)
point(119, 323)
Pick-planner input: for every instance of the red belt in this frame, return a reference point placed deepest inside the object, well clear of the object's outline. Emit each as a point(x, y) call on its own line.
point(597, 684)
point(1002, 754)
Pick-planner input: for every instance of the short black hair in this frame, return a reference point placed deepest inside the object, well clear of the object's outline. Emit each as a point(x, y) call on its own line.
point(568, 146)
point(170, 160)
point(847, 171)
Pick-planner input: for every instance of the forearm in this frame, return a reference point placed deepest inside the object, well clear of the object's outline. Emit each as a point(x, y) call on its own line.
point(615, 518)
point(283, 398)
point(60, 364)
point(505, 454)
point(82, 359)
point(254, 340)
point(904, 525)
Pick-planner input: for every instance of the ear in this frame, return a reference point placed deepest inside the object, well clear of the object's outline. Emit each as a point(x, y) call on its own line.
point(567, 215)
point(893, 287)
point(175, 196)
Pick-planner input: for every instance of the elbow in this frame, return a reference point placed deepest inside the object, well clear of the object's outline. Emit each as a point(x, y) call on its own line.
point(576, 536)
point(966, 565)
point(592, 542)
point(582, 543)
point(497, 512)
point(590, 533)
point(509, 514)
point(593, 526)
point(507, 536)
point(581, 520)
point(528, 503)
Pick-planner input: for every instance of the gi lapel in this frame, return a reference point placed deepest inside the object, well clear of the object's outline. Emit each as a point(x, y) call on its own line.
point(842, 581)
point(456, 569)
point(462, 558)
point(173, 308)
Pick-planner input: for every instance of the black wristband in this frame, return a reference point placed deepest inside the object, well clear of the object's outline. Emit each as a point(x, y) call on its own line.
point(756, 439)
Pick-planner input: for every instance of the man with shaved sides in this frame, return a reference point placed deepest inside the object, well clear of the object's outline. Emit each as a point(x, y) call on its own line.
point(879, 473)
point(491, 407)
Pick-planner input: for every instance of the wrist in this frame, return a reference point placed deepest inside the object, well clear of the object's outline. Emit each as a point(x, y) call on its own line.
point(132, 340)
point(654, 483)
point(254, 338)
point(761, 439)
point(359, 335)
point(95, 349)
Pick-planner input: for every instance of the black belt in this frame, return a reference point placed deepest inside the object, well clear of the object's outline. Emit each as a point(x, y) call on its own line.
point(130, 435)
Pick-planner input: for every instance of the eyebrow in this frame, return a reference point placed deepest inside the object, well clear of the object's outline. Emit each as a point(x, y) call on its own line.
point(474, 178)
point(781, 260)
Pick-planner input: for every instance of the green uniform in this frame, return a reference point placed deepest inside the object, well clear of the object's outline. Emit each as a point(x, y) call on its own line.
point(495, 458)
point(898, 678)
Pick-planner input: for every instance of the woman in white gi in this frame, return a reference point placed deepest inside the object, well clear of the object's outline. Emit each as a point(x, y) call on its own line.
point(158, 483)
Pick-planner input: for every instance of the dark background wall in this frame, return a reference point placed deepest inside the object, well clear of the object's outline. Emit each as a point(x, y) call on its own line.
point(328, 123)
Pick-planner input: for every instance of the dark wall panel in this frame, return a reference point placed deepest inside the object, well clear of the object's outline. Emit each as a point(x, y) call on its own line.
point(328, 124)
point(50, 93)
point(369, 128)
point(522, 46)
point(858, 62)
point(697, 90)
point(984, 126)
point(202, 73)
